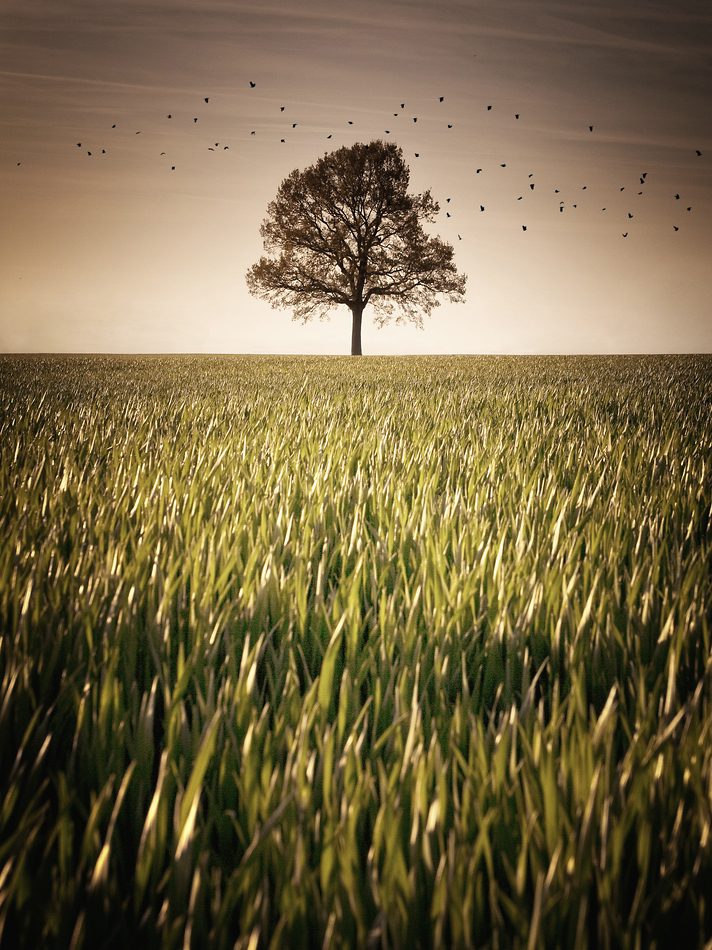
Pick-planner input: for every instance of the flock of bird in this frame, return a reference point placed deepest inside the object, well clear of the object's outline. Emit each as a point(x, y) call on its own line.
point(400, 114)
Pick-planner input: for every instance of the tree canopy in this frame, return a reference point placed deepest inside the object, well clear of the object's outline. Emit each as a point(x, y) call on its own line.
point(345, 231)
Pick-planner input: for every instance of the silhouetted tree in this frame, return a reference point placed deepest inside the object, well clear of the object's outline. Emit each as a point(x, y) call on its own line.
point(346, 232)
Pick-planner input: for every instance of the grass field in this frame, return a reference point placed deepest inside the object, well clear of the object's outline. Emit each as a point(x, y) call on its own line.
point(319, 652)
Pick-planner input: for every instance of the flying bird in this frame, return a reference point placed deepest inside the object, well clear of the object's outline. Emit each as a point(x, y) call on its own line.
point(449, 126)
point(226, 148)
point(328, 136)
point(478, 171)
point(113, 126)
point(206, 100)
point(294, 125)
point(630, 215)
point(252, 84)
point(698, 152)
point(139, 131)
point(626, 234)
point(252, 133)
point(163, 153)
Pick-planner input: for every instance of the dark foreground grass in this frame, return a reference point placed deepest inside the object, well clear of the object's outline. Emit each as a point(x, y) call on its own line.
point(311, 652)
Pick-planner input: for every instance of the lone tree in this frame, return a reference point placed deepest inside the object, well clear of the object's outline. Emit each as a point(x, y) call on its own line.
point(346, 232)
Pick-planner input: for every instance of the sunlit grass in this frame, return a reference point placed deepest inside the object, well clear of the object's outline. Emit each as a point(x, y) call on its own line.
point(304, 652)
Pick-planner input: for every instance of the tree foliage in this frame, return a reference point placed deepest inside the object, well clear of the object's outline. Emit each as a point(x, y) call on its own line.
point(345, 231)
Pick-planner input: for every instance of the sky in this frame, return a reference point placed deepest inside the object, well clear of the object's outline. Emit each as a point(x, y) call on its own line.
point(142, 246)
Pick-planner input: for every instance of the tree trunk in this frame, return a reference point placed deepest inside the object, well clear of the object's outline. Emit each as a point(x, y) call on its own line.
point(357, 311)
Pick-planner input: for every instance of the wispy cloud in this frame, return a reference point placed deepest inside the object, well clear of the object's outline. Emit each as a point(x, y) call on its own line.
point(88, 81)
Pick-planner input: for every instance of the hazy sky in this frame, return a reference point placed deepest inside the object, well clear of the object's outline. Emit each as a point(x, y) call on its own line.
point(117, 252)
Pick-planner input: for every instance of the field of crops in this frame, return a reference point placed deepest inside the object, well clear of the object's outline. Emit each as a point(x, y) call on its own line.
point(319, 652)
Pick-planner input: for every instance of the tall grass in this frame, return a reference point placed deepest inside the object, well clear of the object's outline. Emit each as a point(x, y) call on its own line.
point(312, 652)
